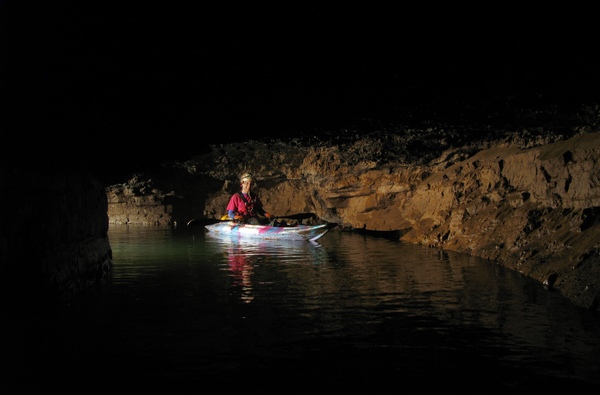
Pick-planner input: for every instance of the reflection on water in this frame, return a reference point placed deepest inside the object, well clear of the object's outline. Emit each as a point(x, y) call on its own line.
point(244, 255)
point(347, 312)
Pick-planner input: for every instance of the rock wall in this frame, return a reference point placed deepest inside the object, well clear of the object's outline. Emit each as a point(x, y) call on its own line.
point(530, 205)
point(54, 235)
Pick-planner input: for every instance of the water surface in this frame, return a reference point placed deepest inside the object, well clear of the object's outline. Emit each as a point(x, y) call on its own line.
point(349, 313)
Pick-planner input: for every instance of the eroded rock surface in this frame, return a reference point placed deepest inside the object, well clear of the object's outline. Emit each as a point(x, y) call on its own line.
point(528, 201)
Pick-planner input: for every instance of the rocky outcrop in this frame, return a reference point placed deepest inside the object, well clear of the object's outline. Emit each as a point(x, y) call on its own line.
point(54, 235)
point(528, 201)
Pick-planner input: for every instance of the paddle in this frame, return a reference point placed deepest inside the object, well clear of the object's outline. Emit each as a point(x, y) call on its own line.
point(299, 216)
point(203, 221)
point(209, 221)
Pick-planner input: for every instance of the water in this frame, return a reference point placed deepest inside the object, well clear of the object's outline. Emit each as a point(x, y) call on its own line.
point(181, 310)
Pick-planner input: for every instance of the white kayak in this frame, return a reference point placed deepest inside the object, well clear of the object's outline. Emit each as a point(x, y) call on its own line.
point(298, 232)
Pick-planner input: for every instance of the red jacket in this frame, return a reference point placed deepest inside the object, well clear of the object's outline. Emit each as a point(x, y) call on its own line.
point(245, 205)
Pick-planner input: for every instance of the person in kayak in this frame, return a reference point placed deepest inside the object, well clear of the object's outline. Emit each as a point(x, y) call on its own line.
point(246, 207)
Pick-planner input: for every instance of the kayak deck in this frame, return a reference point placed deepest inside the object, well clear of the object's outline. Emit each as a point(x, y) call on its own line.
point(298, 232)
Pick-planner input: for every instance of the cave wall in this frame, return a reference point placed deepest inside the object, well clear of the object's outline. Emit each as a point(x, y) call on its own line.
point(54, 235)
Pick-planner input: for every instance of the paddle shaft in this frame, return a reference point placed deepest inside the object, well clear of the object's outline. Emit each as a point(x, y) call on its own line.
point(209, 221)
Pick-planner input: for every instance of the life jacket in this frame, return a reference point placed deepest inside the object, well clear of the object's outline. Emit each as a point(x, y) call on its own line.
point(249, 204)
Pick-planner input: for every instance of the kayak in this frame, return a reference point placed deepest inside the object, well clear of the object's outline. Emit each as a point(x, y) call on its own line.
point(297, 232)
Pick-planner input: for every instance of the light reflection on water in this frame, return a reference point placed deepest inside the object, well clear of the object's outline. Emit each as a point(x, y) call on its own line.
point(347, 312)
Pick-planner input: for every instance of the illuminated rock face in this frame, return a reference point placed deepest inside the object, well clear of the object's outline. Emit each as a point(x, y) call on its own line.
point(530, 205)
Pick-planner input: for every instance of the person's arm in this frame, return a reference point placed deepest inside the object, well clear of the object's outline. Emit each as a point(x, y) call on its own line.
point(261, 211)
point(233, 208)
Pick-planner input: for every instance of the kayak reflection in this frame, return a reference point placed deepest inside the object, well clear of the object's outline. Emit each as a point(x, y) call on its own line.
point(244, 257)
point(241, 270)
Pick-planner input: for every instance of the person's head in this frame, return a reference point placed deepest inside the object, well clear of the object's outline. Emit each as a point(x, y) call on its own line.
point(246, 180)
point(246, 176)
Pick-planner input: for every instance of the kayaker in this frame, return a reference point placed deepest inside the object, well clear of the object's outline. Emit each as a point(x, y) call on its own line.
point(246, 207)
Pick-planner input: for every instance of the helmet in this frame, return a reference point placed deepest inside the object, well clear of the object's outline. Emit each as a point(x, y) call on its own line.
point(246, 176)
